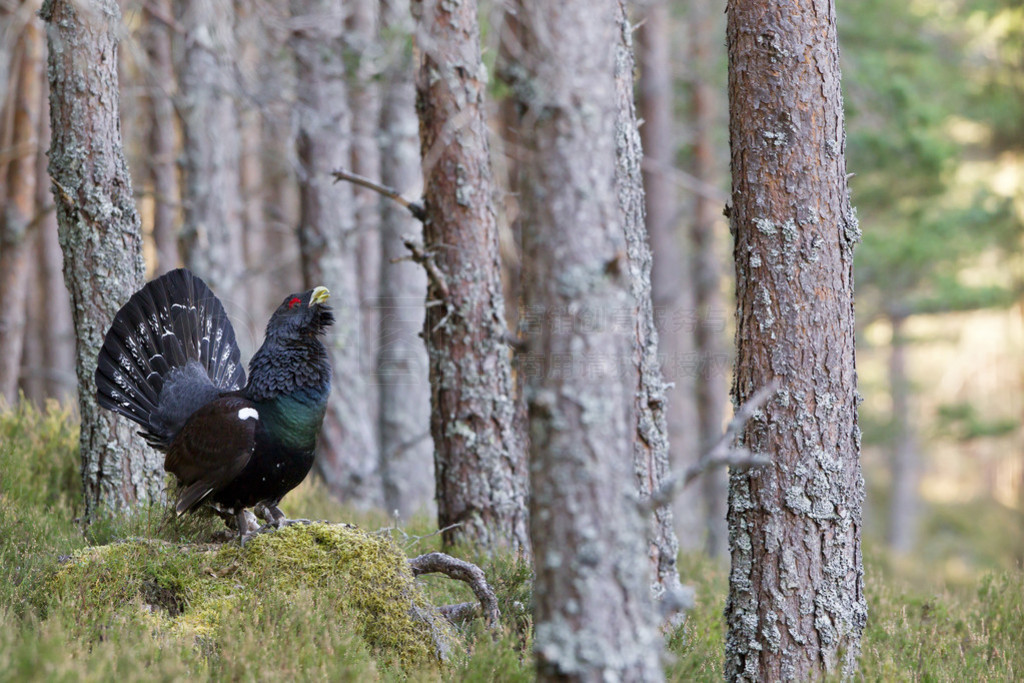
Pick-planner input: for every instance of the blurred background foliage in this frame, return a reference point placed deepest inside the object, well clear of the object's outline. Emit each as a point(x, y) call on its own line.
point(935, 112)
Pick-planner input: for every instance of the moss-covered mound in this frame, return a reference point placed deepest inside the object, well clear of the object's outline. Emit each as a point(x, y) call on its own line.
point(344, 579)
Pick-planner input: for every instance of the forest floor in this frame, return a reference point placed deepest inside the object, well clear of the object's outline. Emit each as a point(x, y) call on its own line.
point(147, 597)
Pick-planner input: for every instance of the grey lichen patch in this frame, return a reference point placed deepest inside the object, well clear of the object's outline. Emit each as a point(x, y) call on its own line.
point(797, 500)
point(772, 42)
point(770, 631)
point(460, 428)
point(775, 138)
point(789, 231)
point(764, 225)
point(765, 314)
point(851, 227)
point(807, 215)
point(463, 189)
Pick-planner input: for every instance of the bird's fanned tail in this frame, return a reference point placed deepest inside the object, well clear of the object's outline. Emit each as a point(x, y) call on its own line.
point(170, 350)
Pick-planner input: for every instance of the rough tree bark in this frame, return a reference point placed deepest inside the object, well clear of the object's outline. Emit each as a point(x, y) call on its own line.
point(18, 197)
point(479, 447)
point(407, 454)
point(671, 287)
point(99, 235)
point(328, 237)
point(708, 333)
point(594, 613)
point(902, 530)
point(163, 139)
point(212, 234)
point(650, 445)
point(796, 607)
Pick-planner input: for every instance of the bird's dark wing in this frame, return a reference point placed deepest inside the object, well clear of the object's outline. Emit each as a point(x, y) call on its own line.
point(212, 448)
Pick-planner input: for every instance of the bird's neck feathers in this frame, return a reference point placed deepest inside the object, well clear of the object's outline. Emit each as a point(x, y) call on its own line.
point(297, 369)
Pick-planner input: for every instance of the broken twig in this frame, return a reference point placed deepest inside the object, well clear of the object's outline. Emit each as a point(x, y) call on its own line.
point(418, 211)
point(721, 454)
point(426, 259)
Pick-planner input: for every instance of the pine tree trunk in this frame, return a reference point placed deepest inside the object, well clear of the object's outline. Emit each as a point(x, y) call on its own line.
point(16, 220)
point(507, 170)
point(710, 328)
point(796, 607)
point(594, 614)
point(479, 447)
point(328, 240)
point(407, 454)
point(904, 465)
point(650, 446)
point(361, 52)
point(212, 234)
point(99, 235)
point(671, 286)
point(163, 140)
point(257, 47)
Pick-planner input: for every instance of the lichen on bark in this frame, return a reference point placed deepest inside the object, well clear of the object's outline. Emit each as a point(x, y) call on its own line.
point(796, 606)
point(594, 612)
point(99, 233)
point(480, 450)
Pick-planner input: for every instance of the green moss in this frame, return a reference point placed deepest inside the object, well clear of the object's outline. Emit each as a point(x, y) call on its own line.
point(358, 582)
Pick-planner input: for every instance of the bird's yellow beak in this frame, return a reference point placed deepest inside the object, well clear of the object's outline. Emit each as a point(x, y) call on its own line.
point(320, 295)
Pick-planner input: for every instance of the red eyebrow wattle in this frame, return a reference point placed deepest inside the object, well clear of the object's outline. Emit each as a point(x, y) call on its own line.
point(294, 301)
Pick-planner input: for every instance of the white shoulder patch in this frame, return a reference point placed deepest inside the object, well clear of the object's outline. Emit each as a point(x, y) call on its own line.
point(246, 413)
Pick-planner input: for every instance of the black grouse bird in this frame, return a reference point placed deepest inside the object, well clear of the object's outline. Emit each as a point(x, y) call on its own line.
point(170, 362)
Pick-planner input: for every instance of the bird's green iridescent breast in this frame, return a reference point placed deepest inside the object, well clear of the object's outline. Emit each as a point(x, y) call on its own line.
point(293, 420)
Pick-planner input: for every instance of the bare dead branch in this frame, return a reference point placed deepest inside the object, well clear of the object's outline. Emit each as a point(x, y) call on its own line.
point(410, 539)
point(464, 611)
point(426, 259)
point(460, 570)
point(721, 454)
point(418, 211)
point(160, 16)
point(687, 181)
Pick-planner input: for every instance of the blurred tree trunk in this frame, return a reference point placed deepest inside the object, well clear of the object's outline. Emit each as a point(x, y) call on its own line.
point(17, 193)
point(162, 156)
point(510, 244)
point(56, 331)
point(32, 371)
point(710, 328)
point(670, 274)
point(361, 43)
point(281, 266)
point(902, 531)
point(328, 240)
point(796, 607)
point(650, 445)
point(99, 235)
point(479, 447)
point(594, 614)
point(256, 47)
point(407, 454)
point(212, 235)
